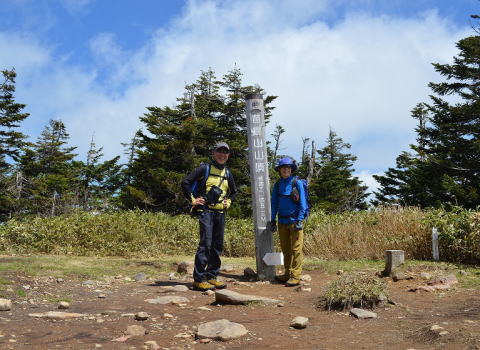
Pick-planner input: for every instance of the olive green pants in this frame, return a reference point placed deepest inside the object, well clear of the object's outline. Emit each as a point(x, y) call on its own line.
point(291, 242)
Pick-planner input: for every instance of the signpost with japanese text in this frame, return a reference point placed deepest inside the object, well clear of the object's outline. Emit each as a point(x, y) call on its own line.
point(260, 183)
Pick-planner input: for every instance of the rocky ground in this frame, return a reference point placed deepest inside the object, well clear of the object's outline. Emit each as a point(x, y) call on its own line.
point(134, 312)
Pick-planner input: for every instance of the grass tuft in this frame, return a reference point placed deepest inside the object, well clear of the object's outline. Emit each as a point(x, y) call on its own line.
point(357, 289)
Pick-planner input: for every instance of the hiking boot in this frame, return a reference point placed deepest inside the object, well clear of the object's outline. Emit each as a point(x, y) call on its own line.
point(217, 284)
point(281, 278)
point(292, 282)
point(203, 286)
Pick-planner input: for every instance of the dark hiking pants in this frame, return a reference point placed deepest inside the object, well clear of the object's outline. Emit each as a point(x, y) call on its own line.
point(210, 247)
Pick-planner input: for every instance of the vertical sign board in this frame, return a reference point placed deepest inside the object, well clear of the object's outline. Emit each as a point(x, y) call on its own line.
point(260, 183)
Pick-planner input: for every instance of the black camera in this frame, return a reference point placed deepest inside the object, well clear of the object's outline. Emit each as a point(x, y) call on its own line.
point(213, 195)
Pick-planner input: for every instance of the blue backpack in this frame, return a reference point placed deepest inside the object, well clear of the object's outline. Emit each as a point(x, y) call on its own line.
point(295, 195)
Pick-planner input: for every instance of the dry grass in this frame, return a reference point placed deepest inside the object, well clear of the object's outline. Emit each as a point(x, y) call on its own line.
point(357, 289)
point(366, 235)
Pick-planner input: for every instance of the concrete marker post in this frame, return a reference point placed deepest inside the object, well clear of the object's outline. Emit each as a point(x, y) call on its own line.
point(260, 183)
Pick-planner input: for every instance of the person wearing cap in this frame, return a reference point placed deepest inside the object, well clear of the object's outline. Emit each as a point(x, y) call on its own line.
point(216, 193)
point(289, 201)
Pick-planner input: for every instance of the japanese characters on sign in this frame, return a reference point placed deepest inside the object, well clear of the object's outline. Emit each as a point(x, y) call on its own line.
point(260, 162)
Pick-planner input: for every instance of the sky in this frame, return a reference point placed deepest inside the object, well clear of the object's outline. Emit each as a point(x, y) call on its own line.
point(357, 67)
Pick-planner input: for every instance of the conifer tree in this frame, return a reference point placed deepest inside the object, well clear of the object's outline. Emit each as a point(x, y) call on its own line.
point(176, 140)
point(11, 141)
point(445, 165)
point(333, 187)
point(99, 181)
point(52, 176)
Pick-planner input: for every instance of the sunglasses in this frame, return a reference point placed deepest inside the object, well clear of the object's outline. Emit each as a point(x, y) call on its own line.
point(222, 150)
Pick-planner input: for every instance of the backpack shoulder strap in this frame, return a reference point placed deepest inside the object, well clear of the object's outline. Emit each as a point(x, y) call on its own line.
point(206, 174)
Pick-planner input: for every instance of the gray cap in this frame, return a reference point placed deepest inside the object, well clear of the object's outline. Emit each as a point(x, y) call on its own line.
point(221, 144)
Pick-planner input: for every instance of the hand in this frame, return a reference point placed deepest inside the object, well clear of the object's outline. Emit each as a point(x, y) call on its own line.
point(273, 226)
point(299, 225)
point(198, 201)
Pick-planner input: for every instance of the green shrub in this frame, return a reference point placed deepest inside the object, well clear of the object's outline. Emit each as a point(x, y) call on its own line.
point(346, 236)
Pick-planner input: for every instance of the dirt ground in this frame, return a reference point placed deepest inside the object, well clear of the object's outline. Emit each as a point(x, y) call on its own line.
point(406, 325)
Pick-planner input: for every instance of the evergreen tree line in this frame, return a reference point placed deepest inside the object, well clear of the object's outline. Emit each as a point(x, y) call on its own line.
point(443, 166)
point(45, 178)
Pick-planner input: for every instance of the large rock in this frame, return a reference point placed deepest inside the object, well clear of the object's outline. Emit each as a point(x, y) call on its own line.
point(57, 315)
point(226, 296)
point(221, 330)
point(361, 313)
point(169, 299)
point(5, 304)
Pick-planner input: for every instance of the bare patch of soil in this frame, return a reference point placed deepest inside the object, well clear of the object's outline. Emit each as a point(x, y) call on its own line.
point(406, 325)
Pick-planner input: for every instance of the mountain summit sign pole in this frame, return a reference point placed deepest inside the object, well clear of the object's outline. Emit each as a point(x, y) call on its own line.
point(260, 184)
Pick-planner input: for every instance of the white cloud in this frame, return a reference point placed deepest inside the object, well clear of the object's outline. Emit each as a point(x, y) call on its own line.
point(360, 76)
point(368, 180)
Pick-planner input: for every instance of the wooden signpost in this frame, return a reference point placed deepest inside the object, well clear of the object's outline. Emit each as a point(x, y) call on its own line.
point(260, 184)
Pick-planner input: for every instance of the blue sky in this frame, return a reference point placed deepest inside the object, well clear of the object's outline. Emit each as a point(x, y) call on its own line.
point(357, 66)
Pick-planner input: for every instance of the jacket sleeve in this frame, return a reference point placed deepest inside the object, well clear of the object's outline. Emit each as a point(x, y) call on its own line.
point(188, 181)
point(274, 202)
point(232, 188)
point(303, 201)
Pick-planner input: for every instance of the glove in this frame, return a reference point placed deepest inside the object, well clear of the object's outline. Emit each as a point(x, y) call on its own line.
point(299, 225)
point(273, 226)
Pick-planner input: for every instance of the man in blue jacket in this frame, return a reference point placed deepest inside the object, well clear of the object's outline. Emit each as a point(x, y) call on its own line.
point(290, 203)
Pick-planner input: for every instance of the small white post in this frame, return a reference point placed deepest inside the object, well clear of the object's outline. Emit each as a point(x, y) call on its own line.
point(435, 252)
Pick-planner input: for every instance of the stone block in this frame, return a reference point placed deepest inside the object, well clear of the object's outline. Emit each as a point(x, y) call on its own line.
point(393, 259)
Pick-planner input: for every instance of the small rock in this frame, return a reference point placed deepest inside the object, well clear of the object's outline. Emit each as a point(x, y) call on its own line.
point(63, 305)
point(205, 340)
point(436, 327)
point(306, 278)
point(299, 322)
point(169, 299)
point(249, 273)
point(425, 275)
point(5, 304)
point(151, 345)
point(165, 315)
point(443, 333)
point(88, 283)
point(172, 276)
point(208, 292)
point(362, 314)
point(176, 288)
point(101, 296)
point(141, 316)
point(60, 280)
point(463, 272)
point(228, 268)
point(186, 267)
point(135, 330)
point(399, 276)
point(340, 272)
point(203, 308)
point(140, 277)
point(57, 315)
point(280, 305)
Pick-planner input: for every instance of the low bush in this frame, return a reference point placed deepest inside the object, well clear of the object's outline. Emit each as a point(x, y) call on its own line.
point(346, 236)
point(356, 289)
